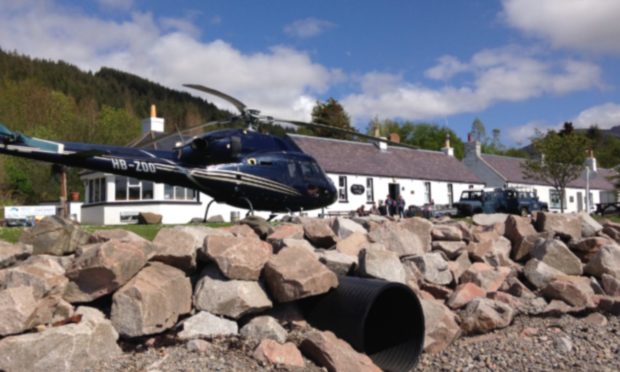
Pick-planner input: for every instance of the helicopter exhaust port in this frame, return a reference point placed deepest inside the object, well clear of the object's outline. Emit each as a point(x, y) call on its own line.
point(382, 319)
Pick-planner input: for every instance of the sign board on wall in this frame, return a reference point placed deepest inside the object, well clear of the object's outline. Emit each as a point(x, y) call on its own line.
point(27, 211)
point(357, 189)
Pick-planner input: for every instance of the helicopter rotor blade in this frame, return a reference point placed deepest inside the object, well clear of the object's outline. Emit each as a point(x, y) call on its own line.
point(187, 130)
point(343, 131)
point(238, 104)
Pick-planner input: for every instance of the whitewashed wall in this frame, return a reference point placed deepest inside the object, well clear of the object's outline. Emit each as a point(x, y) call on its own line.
point(572, 202)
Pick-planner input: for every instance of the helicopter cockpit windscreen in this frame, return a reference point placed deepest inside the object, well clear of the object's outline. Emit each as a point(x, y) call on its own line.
point(309, 169)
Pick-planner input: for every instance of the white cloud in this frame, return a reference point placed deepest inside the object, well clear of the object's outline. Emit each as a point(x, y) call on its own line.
point(307, 27)
point(447, 67)
point(605, 116)
point(491, 76)
point(587, 25)
point(277, 81)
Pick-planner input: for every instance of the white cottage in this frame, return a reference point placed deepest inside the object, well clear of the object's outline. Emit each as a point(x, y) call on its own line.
point(500, 171)
point(366, 172)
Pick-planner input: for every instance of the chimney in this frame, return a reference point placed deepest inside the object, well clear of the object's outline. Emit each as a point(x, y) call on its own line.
point(472, 147)
point(394, 137)
point(447, 149)
point(591, 161)
point(153, 123)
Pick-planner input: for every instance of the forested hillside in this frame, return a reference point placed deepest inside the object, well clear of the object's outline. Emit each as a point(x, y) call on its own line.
point(57, 100)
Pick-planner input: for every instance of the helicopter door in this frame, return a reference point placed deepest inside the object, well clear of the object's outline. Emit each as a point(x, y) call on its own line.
point(235, 145)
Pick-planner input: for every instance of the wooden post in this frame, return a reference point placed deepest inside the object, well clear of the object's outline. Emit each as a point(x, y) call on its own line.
point(63, 193)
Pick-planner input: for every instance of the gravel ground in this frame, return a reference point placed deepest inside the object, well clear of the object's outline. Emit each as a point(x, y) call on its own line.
point(529, 344)
point(535, 344)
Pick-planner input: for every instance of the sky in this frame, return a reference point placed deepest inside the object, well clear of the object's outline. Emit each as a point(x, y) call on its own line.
point(517, 65)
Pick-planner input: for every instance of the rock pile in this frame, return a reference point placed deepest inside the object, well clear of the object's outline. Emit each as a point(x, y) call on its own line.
point(67, 296)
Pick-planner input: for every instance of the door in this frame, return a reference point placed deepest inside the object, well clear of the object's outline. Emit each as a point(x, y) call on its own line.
point(579, 201)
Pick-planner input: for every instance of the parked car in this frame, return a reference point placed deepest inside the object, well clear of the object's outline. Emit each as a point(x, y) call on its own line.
point(505, 200)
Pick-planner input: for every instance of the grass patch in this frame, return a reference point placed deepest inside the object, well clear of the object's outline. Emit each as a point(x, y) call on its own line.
point(12, 234)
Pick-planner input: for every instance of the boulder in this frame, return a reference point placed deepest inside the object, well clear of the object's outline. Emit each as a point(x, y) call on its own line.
point(264, 327)
point(242, 231)
point(450, 232)
point(587, 248)
point(589, 226)
point(494, 252)
point(12, 253)
point(353, 244)
point(434, 268)
point(230, 298)
point(409, 237)
point(272, 352)
point(101, 236)
point(327, 350)
point(295, 273)
point(152, 301)
point(55, 236)
point(71, 347)
point(463, 294)
point(566, 226)
point(43, 273)
point(149, 218)
point(557, 255)
point(606, 261)
point(611, 285)
point(522, 251)
point(484, 233)
point(285, 231)
point(451, 249)
point(17, 304)
point(207, 325)
point(483, 315)
point(612, 231)
point(178, 248)
point(299, 243)
point(574, 290)
point(485, 276)
point(440, 326)
point(102, 268)
point(339, 263)
point(489, 219)
point(459, 266)
point(319, 232)
point(262, 228)
point(539, 273)
point(520, 232)
point(344, 227)
point(238, 257)
point(382, 265)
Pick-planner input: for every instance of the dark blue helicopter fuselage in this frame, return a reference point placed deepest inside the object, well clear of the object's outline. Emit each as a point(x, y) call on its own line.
point(233, 166)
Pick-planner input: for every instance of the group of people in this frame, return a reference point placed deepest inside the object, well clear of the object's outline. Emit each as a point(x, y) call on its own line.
point(391, 207)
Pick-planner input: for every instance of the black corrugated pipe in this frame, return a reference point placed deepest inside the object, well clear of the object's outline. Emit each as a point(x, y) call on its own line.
point(379, 318)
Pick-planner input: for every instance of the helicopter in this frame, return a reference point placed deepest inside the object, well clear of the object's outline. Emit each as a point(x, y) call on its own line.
point(239, 167)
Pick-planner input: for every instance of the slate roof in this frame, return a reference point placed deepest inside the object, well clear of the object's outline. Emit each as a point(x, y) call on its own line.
point(350, 157)
point(510, 169)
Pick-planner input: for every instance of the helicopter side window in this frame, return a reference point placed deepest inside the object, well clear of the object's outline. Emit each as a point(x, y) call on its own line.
point(292, 169)
point(306, 169)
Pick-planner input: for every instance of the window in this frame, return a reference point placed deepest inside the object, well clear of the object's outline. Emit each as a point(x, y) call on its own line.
point(179, 193)
point(427, 192)
point(370, 194)
point(554, 199)
point(132, 189)
point(96, 190)
point(450, 195)
point(343, 196)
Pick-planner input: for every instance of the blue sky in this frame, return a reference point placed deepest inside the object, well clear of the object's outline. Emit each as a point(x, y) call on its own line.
point(518, 65)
